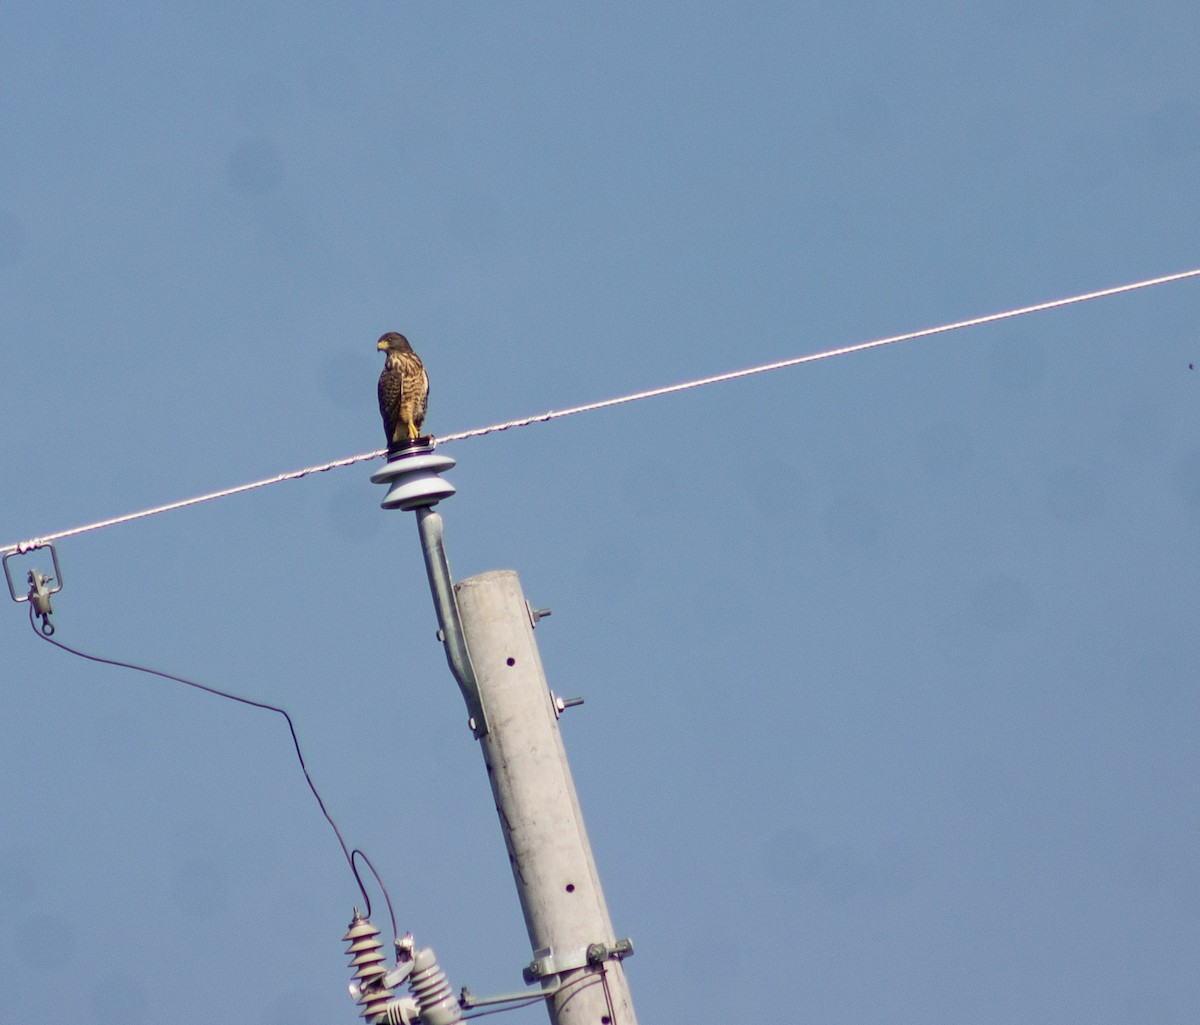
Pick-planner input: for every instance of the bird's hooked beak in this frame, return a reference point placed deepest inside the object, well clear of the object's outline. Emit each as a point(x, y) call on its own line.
point(382, 346)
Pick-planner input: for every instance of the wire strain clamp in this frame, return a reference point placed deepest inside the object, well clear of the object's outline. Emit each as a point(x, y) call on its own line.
point(39, 591)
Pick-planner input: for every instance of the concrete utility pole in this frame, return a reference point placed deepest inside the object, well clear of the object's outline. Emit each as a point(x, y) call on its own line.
point(487, 629)
point(569, 928)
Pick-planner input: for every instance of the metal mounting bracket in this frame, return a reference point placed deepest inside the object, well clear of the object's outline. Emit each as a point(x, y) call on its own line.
point(547, 962)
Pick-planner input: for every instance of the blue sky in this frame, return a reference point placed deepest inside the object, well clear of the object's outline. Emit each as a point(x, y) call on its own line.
point(890, 660)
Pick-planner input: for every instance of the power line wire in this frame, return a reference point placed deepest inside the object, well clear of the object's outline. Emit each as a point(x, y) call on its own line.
point(844, 350)
point(556, 414)
point(350, 855)
point(24, 546)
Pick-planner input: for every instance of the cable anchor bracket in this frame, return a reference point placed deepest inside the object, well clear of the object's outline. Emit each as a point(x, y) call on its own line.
point(39, 592)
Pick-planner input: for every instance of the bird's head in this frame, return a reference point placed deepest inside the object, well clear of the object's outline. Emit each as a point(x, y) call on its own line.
point(393, 342)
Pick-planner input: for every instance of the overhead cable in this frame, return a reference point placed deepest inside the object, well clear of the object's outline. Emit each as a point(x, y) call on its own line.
point(350, 855)
point(556, 414)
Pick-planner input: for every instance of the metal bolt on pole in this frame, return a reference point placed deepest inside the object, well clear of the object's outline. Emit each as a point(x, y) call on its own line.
point(487, 627)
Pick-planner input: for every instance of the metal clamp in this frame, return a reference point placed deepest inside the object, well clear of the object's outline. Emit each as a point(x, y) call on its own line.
point(546, 962)
point(39, 593)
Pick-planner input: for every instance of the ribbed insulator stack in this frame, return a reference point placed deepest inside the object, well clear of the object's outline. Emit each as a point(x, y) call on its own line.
point(428, 983)
point(369, 964)
point(412, 473)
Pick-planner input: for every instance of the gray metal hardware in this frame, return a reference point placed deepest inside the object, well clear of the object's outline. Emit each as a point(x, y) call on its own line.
point(548, 962)
point(415, 484)
point(39, 593)
point(450, 633)
point(44, 579)
point(562, 704)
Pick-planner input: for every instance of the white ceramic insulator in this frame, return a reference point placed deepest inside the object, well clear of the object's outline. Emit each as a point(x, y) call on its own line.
point(369, 964)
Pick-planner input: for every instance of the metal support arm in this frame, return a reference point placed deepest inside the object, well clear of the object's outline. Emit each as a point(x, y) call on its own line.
point(450, 632)
point(413, 475)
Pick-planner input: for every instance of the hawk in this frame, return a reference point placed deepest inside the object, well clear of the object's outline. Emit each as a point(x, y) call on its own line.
point(403, 389)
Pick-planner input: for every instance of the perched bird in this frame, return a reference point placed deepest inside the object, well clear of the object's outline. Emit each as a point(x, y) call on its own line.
point(403, 389)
